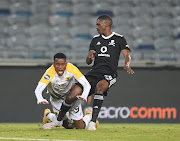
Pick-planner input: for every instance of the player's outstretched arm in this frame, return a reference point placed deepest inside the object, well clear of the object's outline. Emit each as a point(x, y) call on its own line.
point(90, 57)
point(38, 93)
point(127, 57)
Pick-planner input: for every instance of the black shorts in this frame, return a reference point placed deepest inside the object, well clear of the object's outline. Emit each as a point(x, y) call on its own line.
point(94, 78)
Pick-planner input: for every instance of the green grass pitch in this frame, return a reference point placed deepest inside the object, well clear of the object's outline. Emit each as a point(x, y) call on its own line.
point(105, 132)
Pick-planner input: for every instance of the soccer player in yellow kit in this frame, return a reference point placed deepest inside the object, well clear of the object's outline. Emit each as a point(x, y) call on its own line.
point(59, 79)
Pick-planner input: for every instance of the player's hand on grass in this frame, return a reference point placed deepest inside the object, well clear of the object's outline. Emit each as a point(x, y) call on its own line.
point(44, 101)
point(128, 69)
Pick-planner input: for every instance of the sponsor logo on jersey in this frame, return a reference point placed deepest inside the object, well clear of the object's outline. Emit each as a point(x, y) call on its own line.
point(112, 43)
point(67, 78)
point(47, 77)
point(103, 51)
point(98, 43)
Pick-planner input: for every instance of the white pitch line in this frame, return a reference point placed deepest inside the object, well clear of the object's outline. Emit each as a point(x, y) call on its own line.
point(33, 139)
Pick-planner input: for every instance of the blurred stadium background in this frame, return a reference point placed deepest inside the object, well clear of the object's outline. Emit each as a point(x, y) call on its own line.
point(32, 31)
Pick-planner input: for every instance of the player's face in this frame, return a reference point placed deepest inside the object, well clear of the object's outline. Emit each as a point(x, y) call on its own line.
point(60, 65)
point(100, 26)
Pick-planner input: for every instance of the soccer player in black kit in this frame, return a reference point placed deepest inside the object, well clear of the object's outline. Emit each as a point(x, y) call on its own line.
point(104, 50)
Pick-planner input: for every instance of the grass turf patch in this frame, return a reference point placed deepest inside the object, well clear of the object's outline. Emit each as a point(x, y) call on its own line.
point(105, 132)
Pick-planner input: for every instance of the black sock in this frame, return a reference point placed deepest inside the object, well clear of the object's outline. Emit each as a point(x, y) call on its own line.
point(63, 110)
point(84, 124)
point(98, 100)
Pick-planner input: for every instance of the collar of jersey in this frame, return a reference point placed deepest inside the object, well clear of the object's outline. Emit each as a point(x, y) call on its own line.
point(108, 36)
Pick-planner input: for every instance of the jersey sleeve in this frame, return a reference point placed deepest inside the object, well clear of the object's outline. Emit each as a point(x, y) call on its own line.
point(92, 46)
point(74, 70)
point(48, 75)
point(123, 44)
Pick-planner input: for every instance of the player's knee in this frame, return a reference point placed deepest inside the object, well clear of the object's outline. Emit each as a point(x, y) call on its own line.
point(100, 90)
point(102, 86)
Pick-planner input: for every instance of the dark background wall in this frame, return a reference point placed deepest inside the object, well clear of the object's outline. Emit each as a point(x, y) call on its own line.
point(148, 88)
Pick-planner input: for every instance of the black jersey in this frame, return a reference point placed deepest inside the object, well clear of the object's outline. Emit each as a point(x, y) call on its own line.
point(108, 51)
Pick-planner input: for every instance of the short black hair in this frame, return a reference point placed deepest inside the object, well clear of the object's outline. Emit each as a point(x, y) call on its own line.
point(106, 17)
point(60, 55)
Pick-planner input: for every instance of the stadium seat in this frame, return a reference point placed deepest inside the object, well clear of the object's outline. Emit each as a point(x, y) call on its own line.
point(59, 42)
point(141, 10)
point(94, 2)
point(39, 29)
point(80, 20)
point(80, 48)
point(81, 31)
point(165, 44)
point(59, 30)
point(161, 10)
point(121, 9)
point(149, 55)
point(142, 20)
point(51, 53)
point(80, 44)
point(38, 42)
point(136, 55)
point(69, 25)
point(177, 55)
point(82, 8)
point(159, 21)
point(143, 31)
point(176, 21)
point(18, 30)
point(2, 43)
point(39, 6)
point(177, 45)
point(165, 56)
point(144, 43)
point(120, 2)
point(102, 8)
point(61, 9)
point(38, 53)
point(159, 2)
point(60, 1)
point(125, 30)
point(93, 31)
point(92, 21)
point(80, 1)
point(38, 18)
point(4, 12)
point(122, 20)
point(176, 32)
point(18, 42)
point(20, 54)
point(4, 8)
point(175, 11)
point(175, 2)
point(56, 20)
point(3, 20)
point(163, 31)
point(21, 9)
point(4, 31)
point(16, 19)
